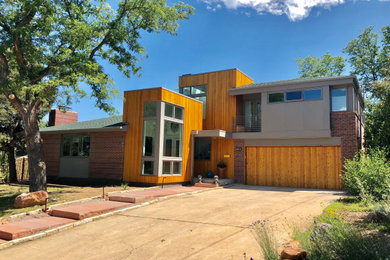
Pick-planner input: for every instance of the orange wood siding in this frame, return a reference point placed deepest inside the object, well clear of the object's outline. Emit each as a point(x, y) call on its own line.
point(219, 147)
point(133, 114)
point(221, 107)
point(294, 166)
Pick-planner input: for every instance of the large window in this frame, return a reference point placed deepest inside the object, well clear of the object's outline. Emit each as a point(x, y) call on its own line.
point(202, 148)
point(294, 95)
point(75, 146)
point(312, 94)
point(198, 93)
point(162, 139)
point(339, 99)
point(275, 97)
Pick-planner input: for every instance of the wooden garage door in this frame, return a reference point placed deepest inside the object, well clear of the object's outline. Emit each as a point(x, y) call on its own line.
point(294, 166)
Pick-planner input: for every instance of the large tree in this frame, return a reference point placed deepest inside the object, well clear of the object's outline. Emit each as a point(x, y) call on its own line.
point(326, 66)
point(49, 47)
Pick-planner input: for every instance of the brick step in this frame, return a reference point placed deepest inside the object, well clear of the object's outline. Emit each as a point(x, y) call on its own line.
point(86, 210)
point(27, 227)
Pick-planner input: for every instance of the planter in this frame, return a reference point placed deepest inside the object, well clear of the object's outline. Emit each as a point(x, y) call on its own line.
point(221, 172)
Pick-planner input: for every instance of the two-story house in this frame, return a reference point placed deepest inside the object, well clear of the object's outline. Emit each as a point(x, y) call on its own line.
point(292, 133)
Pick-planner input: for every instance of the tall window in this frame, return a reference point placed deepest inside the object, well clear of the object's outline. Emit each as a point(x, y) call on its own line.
point(198, 93)
point(339, 99)
point(149, 138)
point(75, 146)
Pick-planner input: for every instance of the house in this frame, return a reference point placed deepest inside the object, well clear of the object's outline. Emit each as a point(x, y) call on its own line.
point(293, 133)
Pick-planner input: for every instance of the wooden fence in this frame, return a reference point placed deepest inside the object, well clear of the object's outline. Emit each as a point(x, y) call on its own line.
point(22, 168)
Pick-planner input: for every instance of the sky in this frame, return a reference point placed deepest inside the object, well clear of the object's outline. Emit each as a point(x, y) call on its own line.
point(262, 38)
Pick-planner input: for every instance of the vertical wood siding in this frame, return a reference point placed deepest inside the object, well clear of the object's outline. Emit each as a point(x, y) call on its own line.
point(294, 166)
point(133, 114)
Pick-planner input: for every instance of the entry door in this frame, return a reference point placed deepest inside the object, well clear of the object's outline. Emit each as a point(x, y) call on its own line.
point(252, 115)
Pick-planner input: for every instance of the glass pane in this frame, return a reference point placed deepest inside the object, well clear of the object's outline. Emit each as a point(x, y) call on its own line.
point(275, 97)
point(166, 168)
point(168, 110)
point(173, 134)
point(312, 94)
point(66, 146)
point(149, 137)
point(147, 168)
point(339, 99)
point(186, 91)
point(149, 109)
point(294, 95)
point(202, 148)
point(203, 99)
point(176, 168)
point(86, 145)
point(75, 146)
point(179, 113)
point(198, 90)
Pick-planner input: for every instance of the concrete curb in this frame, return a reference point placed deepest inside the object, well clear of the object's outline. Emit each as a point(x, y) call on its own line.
point(54, 230)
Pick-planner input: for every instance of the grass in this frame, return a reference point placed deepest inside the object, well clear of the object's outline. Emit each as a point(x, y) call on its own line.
point(9, 193)
point(349, 204)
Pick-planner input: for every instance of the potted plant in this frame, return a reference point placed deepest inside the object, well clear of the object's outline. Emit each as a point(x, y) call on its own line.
point(221, 169)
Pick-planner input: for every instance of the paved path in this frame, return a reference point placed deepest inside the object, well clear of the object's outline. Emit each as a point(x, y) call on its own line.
point(207, 225)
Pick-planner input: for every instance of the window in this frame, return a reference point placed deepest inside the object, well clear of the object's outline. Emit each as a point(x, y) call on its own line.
point(202, 149)
point(275, 97)
point(171, 167)
point(173, 137)
point(147, 168)
point(198, 93)
point(339, 99)
point(293, 95)
point(75, 146)
point(149, 137)
point(149, 109)
point(173, 111)
point(312, 94)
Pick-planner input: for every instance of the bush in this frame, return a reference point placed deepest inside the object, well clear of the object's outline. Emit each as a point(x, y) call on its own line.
point(266, 240)
point(333, 238)
point(368, 176)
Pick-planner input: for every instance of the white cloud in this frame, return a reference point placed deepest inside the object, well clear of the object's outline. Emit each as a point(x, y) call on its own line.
point(294, 9)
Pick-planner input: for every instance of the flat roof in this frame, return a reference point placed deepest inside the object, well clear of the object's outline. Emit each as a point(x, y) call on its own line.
point(177, 93)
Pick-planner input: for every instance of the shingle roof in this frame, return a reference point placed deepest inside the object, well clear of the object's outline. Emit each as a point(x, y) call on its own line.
point(293, 81)
point(103, 123)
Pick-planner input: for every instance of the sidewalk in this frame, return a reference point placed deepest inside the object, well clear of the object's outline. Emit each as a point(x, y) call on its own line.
point(63, 215)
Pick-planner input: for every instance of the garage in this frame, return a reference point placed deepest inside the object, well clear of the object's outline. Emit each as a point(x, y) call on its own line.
point(294, 166)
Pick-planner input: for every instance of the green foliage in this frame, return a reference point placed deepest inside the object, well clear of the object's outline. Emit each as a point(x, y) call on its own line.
point(124, 185)
point(368, 176)
point(265, 238)
point(326, 66)
point(3, 166)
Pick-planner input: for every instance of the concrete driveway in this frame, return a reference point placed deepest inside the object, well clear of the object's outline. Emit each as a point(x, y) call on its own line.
point(207, 225)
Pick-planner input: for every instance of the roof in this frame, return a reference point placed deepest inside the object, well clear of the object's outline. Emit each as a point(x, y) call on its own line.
point(113, 123)
point(295, 81)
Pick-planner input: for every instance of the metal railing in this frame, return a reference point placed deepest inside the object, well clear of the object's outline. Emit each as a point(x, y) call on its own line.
point(246, 124)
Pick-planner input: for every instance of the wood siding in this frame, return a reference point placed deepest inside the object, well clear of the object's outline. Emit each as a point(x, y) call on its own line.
point(219, 148)
point(133, 114)
point(221, 107)
point(294, 166)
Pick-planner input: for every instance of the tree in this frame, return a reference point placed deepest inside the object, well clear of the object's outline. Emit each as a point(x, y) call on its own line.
point(49, 47)
point(326, 66)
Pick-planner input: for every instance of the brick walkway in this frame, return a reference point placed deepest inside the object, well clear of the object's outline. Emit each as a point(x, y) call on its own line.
point(62, 215)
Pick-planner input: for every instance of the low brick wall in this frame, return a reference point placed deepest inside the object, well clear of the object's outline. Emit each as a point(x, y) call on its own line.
point(239, 161)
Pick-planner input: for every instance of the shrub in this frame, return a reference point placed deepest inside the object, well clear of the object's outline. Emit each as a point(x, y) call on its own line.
point(368, 176)
point(266, 240)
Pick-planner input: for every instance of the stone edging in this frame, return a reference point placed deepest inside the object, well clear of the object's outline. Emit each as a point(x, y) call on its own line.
point(54, 230)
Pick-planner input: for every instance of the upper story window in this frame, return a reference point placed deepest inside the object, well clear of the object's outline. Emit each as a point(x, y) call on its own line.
point(198, 93)
point(294, 95)
point(275, 97)
point(75, 146)
point(339, 99)
point(312, 94)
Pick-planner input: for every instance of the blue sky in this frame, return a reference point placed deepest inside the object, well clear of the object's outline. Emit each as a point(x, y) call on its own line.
point(262, 38)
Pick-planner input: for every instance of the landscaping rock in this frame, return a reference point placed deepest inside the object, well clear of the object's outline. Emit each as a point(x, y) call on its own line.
point(379, 216)
point(294, 253)
point(31, 199)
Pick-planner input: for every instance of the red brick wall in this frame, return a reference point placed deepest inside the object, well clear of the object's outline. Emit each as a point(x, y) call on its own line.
point(239, 161)
point(346, 126)
point(57, 117)
point(51, 149)
point(106, 155)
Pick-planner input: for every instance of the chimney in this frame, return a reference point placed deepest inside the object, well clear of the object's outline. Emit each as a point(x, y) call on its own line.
point(57, 117)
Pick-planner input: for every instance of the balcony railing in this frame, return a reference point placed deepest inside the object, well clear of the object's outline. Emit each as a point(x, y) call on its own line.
point(246, 124)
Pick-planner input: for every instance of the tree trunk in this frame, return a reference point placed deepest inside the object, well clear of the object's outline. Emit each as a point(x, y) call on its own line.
point(11, 163)
point(36, 160)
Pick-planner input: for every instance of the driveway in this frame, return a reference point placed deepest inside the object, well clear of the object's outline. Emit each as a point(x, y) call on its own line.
point(207, 225)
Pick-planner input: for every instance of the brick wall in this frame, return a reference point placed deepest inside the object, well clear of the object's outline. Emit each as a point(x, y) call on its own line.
point(106, 155)
point(346, 126)
point(57, 117)
point(51, 149)
point(239, 161)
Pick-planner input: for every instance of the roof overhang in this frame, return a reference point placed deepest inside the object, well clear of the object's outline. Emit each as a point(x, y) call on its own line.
point(123, 128)
point(211, 133)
